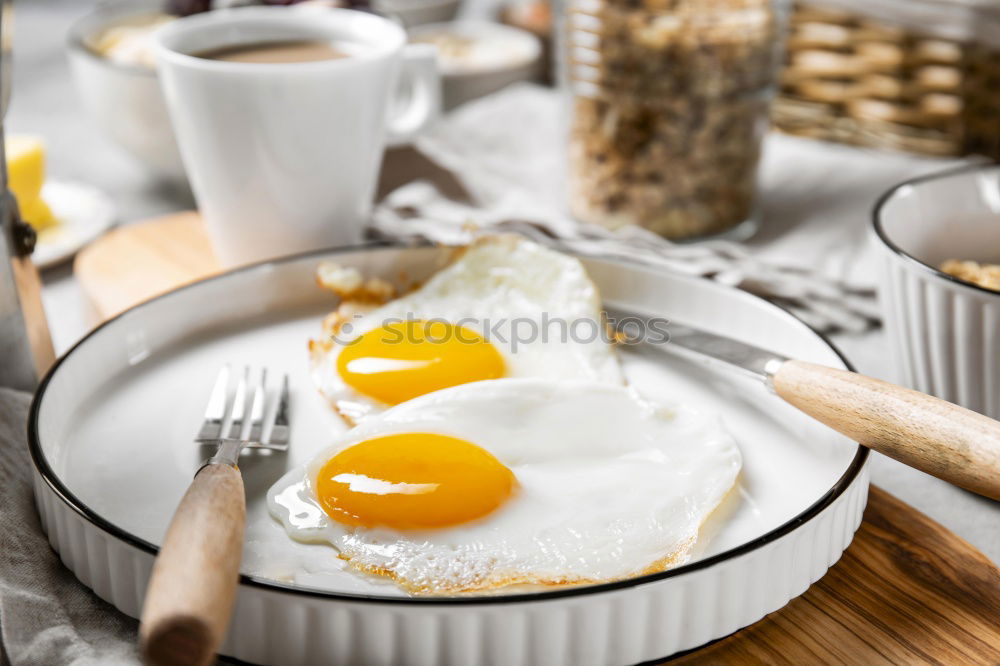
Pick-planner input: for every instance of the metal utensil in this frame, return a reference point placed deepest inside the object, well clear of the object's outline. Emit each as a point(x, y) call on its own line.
point(193, 583)
point(927, 433)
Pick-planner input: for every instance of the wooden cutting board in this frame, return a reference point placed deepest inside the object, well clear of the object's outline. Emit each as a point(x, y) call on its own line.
point(906, 591)
point(133, 263)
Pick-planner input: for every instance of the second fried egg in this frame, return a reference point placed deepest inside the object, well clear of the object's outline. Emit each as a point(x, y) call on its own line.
point(505, 307)
point(513, 481)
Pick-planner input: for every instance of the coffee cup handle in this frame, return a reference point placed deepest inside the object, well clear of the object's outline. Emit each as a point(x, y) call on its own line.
point(420, 93)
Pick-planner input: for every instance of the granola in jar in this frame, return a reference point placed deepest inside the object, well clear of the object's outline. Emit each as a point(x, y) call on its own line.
point(669, 102)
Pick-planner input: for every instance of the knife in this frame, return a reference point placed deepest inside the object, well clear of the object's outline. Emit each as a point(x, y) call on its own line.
point(924, 432)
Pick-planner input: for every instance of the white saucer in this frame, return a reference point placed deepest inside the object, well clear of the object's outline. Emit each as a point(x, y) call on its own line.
point(84, 213)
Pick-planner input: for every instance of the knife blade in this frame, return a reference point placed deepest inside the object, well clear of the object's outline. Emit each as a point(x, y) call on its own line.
point(703, 346)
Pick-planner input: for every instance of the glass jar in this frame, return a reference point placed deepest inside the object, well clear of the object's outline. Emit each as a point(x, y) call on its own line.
point(668, 104)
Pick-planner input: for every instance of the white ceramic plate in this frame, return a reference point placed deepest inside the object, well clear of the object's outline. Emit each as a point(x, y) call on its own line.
point(84, 213)
point(110, 436)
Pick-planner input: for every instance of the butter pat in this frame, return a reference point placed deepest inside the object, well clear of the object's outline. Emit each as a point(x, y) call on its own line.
point(38, 214)
point(25, 178)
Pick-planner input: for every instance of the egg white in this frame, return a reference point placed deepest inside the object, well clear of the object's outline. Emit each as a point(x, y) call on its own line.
point(504, 288)
point(610, 486)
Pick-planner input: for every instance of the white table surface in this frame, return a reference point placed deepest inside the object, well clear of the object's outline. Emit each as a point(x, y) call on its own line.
point(817, 200)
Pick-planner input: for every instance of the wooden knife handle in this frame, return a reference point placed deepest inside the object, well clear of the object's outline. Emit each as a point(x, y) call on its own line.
point(193, 583)
point(929, 434)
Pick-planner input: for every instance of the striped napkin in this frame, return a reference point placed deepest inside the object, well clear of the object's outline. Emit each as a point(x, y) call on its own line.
point(507, 151)
point(46, 615)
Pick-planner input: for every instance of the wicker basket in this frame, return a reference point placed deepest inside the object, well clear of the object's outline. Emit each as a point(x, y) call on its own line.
point(854, 80)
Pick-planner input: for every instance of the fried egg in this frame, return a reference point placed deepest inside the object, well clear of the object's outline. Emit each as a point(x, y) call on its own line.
point(504, 307)
point(513, 482)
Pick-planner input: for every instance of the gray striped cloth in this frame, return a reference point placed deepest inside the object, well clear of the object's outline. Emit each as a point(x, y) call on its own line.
point(418, 211)
point(47, 617)
point(507, 151)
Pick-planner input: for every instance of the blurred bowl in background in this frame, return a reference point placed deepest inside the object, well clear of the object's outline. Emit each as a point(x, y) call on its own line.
point(944, 331)
point(417, 12)
point(480, 57)
point(123, 98)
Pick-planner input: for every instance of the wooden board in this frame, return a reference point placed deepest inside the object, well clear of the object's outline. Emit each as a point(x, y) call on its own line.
point(906, 591)
point(133, 263)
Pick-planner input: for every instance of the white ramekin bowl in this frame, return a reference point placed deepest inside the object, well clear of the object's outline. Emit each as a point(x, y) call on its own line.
point(944, 332)
point(124, 100)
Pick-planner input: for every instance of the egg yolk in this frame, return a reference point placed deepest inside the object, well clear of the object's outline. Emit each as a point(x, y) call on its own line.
point(404, 359)
point(412, 481)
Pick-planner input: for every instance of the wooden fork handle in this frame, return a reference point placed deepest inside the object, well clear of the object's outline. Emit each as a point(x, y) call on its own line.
point(932, 435)
point(193, 583)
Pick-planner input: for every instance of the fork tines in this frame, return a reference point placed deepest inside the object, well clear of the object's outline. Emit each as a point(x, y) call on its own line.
point(232, 424)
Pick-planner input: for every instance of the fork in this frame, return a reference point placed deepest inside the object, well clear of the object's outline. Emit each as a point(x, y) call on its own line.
point(192, 587)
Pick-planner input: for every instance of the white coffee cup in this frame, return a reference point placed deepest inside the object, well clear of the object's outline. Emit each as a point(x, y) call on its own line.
point(284, 157)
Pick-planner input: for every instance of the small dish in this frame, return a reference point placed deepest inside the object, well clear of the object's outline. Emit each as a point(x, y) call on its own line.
point(84, 213)
point(418, 12)
point(944, 332)
point(477, 58)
